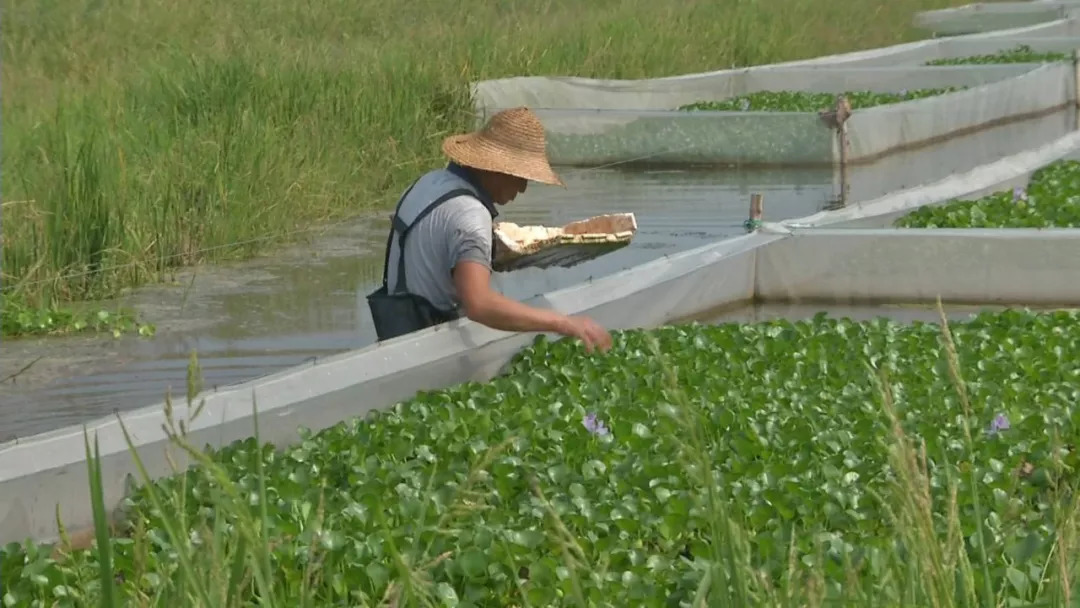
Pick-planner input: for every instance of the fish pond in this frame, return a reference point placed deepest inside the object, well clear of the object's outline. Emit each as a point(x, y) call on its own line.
point(1050, 200)
point(828, 458)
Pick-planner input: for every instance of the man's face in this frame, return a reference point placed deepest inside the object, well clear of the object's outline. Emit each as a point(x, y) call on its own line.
point(504, 188)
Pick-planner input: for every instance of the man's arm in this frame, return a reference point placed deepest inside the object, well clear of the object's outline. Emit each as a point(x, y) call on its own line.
point(469, 258)
point(489, 307)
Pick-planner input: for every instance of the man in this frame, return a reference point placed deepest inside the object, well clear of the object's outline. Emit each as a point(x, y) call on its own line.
point(439, 252)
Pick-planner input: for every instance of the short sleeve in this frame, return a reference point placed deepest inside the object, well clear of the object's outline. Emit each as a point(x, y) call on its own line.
point(469, 235)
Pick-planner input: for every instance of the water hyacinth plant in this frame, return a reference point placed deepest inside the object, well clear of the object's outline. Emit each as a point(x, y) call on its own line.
point(802, 101)
point(20, 319)
point(811, 463)
point(1021, 53)
point(595, 426)
point(998, 424)
point(1050, 200)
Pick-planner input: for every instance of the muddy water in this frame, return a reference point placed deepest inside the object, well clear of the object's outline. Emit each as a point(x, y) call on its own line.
point(251, 319)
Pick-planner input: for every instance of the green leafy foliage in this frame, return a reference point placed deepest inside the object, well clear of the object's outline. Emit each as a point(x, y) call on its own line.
point(802, 101)
point(19, 319)
point(1021, 53)
point(1051, 199)
point(722, 460)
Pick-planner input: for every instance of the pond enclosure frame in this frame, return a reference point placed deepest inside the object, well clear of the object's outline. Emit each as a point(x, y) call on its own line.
point(636, 124)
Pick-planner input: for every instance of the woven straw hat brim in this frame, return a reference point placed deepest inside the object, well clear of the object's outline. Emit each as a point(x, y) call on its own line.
point(480, 152)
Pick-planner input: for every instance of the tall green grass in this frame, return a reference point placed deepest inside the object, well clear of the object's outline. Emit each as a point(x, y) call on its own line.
point(230, 562)
point(139, 135)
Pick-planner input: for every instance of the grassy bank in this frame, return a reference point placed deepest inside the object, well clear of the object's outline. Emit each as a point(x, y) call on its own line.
point(820, 462)
point(139, 135)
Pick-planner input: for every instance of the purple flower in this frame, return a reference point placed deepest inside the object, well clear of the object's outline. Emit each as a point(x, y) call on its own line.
point(595, 426)
point(1019, 194)
point(998, 424)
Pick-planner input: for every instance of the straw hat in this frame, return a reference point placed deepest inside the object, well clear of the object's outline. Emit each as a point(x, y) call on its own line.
point(512, 142)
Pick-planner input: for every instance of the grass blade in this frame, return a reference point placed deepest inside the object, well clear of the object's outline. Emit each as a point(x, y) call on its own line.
point(101, 524)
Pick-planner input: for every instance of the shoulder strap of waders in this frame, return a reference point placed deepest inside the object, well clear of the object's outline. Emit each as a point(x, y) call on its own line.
point(402, 229)
point(390, 235)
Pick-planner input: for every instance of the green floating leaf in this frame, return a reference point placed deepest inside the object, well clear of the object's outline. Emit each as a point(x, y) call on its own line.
point(473, 563)
point(447, 594)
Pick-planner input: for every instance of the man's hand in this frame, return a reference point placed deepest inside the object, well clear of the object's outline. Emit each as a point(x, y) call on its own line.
point(588, 331)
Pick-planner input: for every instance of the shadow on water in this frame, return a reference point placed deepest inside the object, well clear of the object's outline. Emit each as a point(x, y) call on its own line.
point(251, 319)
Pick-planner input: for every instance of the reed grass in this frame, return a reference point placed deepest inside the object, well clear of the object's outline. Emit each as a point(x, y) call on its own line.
point(141, 135)
point(230, 563)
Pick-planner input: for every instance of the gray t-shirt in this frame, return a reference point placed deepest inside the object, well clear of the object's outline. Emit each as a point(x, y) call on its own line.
point(457, 230)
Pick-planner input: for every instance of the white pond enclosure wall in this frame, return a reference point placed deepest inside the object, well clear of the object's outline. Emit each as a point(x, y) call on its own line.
point(956, 48)
point(601, 122)
point(642, 95)
point(989, 16)
point(594, 122)
point(624, 127)
point(1019, 266)
point(566, 92)
point(986, 266)
point(922, 51)
point(1005, 173)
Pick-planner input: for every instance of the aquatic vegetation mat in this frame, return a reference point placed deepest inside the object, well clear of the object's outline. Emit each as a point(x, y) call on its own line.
point(732, 461)
point(802, 101)
point(21, 319)
point(1021, 53)
point(1050, 200)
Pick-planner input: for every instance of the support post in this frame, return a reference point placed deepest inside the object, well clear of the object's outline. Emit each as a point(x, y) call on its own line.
point(1076, 88)
point(843, 111)
point(836, 119)
point(757, 210)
